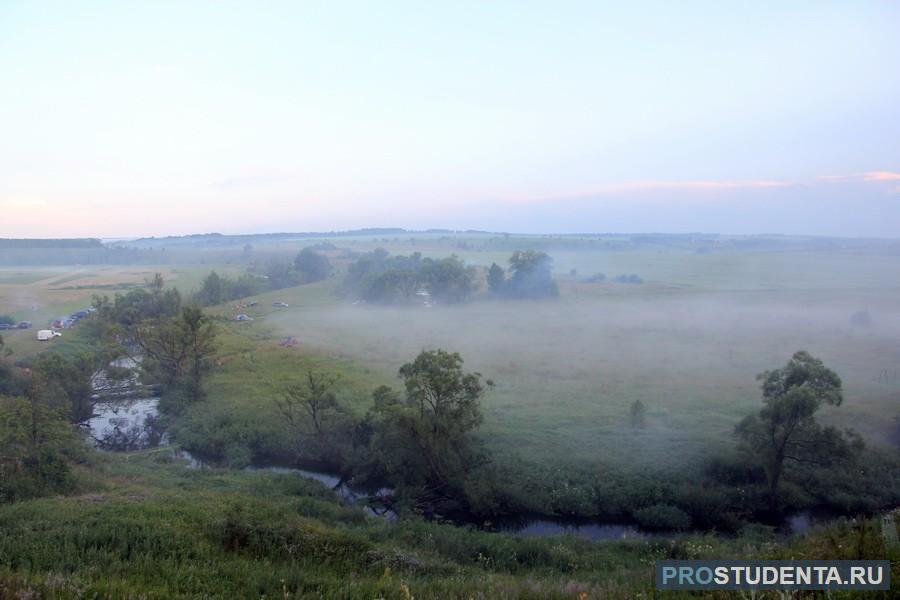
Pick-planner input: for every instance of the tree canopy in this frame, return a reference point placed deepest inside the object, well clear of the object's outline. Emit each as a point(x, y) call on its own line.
point(786, 431)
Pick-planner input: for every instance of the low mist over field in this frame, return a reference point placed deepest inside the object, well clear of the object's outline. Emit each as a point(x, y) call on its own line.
point(464, 300)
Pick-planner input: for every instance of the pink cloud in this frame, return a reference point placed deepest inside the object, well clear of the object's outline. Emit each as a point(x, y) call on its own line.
point(868, 176)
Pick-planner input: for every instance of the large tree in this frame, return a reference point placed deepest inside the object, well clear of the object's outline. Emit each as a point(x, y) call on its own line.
point(423, 441)
point(785, 432)
point(532, 275)
point(448, 279)
point(178, 351)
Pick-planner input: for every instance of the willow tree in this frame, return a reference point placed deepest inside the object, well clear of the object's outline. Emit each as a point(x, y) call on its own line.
point(786, 431)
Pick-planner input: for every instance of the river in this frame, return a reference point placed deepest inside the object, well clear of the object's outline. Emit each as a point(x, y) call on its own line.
point(123, 425)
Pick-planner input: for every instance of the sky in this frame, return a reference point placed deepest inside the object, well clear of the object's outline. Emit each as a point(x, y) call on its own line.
point(122, 119)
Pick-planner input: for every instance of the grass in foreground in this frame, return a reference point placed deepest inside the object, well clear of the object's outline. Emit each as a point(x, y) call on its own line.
point(149, 528)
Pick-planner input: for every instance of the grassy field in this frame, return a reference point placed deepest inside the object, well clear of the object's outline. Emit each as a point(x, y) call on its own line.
point(688, 344)
point(40, 295)
point(144, 527)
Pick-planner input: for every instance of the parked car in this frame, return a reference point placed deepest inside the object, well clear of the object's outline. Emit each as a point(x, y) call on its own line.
point(243, 317)
point(25, 325)
point(280, 304)
point(47, 334)
point(6, 326)
point(80, 314)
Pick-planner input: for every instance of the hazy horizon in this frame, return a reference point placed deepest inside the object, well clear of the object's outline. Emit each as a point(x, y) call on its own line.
point(169, 118)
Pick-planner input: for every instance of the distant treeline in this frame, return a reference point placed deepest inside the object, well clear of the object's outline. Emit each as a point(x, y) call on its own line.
point(308, 266)
point(79, 253)
point(50, 243)
point(218, 239)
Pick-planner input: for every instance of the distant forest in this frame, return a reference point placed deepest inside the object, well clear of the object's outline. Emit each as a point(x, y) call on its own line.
point(85, 251)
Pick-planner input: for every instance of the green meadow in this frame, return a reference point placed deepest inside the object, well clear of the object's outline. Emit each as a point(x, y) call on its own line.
point(688, 343)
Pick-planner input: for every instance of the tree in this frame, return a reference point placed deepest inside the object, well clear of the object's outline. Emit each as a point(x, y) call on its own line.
point(77, 383)
point(178, 351)
point(322, 429)
point(212, 291)
point(638, 415)
point(378, 277)
point(785, 431)
point(312, 266)
point(33, 439)
point(11, 381)
point(448, 279)
point(307, 406)
point(423, 441)
point(532, 275)
point(496, 279)
point(447, 398)
point(281, 275)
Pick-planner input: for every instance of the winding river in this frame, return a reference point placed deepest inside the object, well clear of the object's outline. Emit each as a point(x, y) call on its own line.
point(122, 424)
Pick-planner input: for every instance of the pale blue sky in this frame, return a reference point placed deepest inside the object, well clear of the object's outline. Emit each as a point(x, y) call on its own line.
point(135, 118)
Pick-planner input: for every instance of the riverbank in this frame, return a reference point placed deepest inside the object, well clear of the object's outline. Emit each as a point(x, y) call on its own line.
point(143, 524)
point(128, 425)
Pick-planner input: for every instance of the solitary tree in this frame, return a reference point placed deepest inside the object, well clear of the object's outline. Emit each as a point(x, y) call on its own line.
point(638, 415)
point(423, 441)
point(785, 430)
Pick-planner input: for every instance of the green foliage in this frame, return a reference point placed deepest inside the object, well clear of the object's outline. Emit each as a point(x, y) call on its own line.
point(496, 278)
point(124, 311)
point(321, 428)
point(448, 279)
point(7, 320)
point(12, 381)
point(380, 278)
point(217, 289)
point(212, 292)
point(33, 441)
point(312, 266)
point(532, 275)
point(786, 431)
point(161, 531)
point(178, 351)
point(75, 381)
point(423, 443)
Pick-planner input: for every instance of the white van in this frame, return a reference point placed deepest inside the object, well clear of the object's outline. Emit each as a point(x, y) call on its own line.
point(47, 334)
